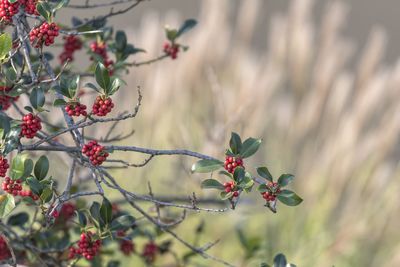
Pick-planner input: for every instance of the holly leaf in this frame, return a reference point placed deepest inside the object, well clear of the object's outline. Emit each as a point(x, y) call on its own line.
point(207, 165)
point(235, 143)
point(7, 204)
point(264, 173)
point(212, 184)
point(186, 26)
point(289, 198)
point(106, 211)
point(249, 147)
point(41, 168)
point(285, 179)
point(102, 77)
point(5, 45)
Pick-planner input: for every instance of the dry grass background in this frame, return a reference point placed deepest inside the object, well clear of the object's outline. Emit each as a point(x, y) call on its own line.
point(329, 117)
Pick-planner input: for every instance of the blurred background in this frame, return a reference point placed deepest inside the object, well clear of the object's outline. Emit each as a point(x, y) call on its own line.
point(319, 81)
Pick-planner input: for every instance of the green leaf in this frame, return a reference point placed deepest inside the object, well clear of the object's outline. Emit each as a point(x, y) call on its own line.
point(212, 184)
point(7, 204)
point(5, 45)
point(82, 218)
point(95, 212)
point(225, 196)
point(235, 143)
point(249, 147)
point(61, 4)
point(262, 188)
point(5, 124)
point(44, 9)
point(120, 40)
point(207, 165)
point(186, 26)
point(122, 223)
point(238, 174)
point(264, 173)
point(18, 219)
point(35, 185)
point(59, 103)
point(11, 139)
point(102, 77)
point(280, 260)
point(37, 97)
point(246, 183)
point(46, 195)
point(106, 211)
point(171, 34)
point(289, 198)
point(10, 73)
point(92, 86)
point(115, 85)
point(285, 179)
point(21, 167)
point(42, 168)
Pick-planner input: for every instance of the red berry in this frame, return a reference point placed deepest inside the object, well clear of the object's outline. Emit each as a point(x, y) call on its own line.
point(231, 163)
point(31, 124)
point(100, 48)
point(127, 247)
point(30, 6)
point(3, 166)
point(12, 187)
point(171, 49)
point(76, 109)
point(87, 247)
point(5, 100)
point(4, 250)
point(96, 153)
point(102, 106)
point(149, 252)
point(43, 34)
point(8, 10)
point(72, 43)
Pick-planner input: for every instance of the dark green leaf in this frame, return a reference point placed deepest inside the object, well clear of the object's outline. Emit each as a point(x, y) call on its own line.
point(262, 188)
point(35, 185)
point(120, 40)
point(285, 179)
point(122, 223)
point(280, 261)
point(95, 212)
point(207, 165)
point(17, 170)
point(18, 219)
point(37, 97)
point(211, 183)
point(186, 26)
point(171, 34)
point(106, 211)
point(61, 4)
point(249, 147)
point(264, 173)
point(235, 143)
point(10, 73)
point(7, 204)
point(44, 9)
point(46, 195)
point(5, 124)
point(102, 77)
point(92, 86)
point(238, 174)
point(59, 103)
point(41, 168)
point(82, 218)
point(114, 263)
point(115, 85)
point(263, 264)
point(289, 198)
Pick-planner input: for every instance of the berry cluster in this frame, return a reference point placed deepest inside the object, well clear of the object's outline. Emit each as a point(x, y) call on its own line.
point(5, 100)
point(4, 250)
point(231, 163)
point(30, 6)
point(100, 48)
point(30, 126)
point(76, 109)
point(43, 34)
point(102, 106)
point(231, 187)
point(28, 193)
point(149, 252)
point(8, 10)
point(68, 211)
point(127, 247)
point(171, 49)
point(274, 190)
point(12, 187)
point(87, 247)
point(95, 152)
point(71, 44)
point(3, 166)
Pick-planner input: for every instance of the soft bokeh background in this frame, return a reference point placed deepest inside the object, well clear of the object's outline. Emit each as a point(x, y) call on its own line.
point(317, 80)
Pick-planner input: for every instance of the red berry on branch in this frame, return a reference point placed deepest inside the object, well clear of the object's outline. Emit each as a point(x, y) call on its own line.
point(87, 247)
point(76, 109)
point(4, 250)
point(12, 187)
point(44, 34)
point(72, 43)
point(96, 153)
point(30, 6)
point(8, 10)
point(231, 163)
point(171, 49)
point(127, 247)
point(100, 48)
point(3, 166)
point(149, 252)
point(102, 106)
point(31, 124)
point(5, 100)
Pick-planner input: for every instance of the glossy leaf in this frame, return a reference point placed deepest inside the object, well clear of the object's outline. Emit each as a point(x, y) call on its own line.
point(186, 26)
point(5, 45)
point(207, 165)
point(280, 261)
point(225, 196)
point(18, 219)
point(285, 179)
point(102, 77)
point(249, 147)
point(35, 185)
point(122, 223)
point(289, 198)
point(106, 211)
point(235, 143)
point(42, 168)
point(212, 184)
point(264, 173)
point(37, 97)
